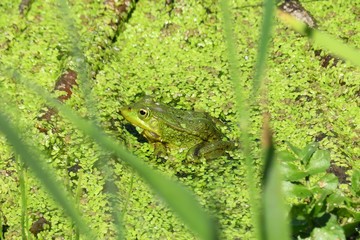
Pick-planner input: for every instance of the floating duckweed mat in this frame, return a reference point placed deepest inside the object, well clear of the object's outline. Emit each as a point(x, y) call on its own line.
point(174, 51)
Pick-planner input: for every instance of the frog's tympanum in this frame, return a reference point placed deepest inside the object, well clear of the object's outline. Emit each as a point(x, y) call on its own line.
point(172, 129)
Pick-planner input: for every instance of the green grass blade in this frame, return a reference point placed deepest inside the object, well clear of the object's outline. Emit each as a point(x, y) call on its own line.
point(266, 28)
point(76, 52)
point(242, 111)
point(242, 106)
point(44, 174)
point(323, 39)
point(275, 223)
point(22, 185)
point(178, 198)
point(86, 85)
point(113, 195)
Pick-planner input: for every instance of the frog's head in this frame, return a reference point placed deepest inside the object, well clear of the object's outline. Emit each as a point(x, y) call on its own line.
point(144, 114)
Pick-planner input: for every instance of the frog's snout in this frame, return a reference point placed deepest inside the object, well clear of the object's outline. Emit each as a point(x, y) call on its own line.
point(125, 109)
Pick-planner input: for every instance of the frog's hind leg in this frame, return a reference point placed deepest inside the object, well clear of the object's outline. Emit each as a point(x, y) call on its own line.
point(209, 150)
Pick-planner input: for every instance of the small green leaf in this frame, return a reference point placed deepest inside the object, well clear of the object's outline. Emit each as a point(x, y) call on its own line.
point(319, 206)
point(348, 213)
point(295, 150)
point(291, 171)
point(332, 231)
point(307, 152)
point(351, 228)
point(299, 219)
point(286, 156)
point(327, 184)
point(355, 181)
point(295, 190)
point(319, 162)
point(335, 200)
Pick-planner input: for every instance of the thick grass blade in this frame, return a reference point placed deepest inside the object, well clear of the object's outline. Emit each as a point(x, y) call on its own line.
point(44, 174)
point(77, 55)
point(242, 105)
point(322, 39)
point(83, 70)
point(178, 198)
point(242, 112)
point(274, 224)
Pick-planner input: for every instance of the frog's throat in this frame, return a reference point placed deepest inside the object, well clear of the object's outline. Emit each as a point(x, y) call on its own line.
point(151, 136)
point(148, 129)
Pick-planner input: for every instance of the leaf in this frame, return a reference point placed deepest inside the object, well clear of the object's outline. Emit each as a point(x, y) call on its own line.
point(307, 152)
point(348, 213)
point(319, 206)
point(326, 184)
point(295, 150)
point(351, 228)
point(300, 220)
point(319, 162)
point(335, 200)
point(322, 189)
point(291, 171)
point(355, 181)
point(286, 156)
point(331, 231)
point(296, 190)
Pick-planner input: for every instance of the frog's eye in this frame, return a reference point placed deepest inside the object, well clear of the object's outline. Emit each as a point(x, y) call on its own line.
point(143, 113)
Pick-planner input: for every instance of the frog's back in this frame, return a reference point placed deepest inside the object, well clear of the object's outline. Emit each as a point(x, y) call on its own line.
point(198, 124)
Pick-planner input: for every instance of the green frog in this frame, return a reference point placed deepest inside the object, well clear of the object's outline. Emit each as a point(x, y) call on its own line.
point(172, 129)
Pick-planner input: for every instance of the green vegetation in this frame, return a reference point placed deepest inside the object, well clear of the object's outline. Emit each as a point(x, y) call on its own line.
point(317, 202)
point(63, 175)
